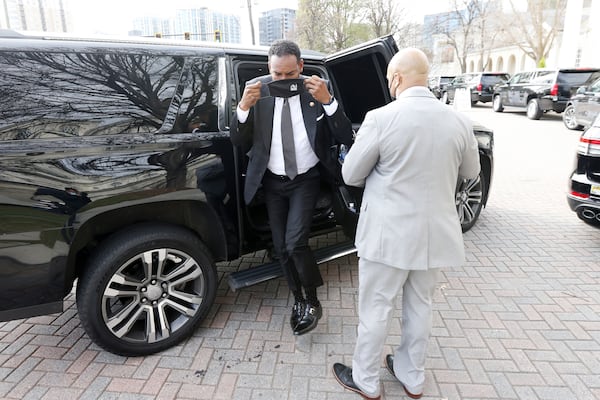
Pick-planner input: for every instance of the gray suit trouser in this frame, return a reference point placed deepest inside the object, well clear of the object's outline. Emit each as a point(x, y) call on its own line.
point(379, 285)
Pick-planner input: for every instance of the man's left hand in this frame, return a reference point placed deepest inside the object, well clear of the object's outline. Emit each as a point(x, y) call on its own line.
point(317, 87)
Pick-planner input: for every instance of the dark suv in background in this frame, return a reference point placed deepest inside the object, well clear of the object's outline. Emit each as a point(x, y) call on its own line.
point(480, 84)
point(544, 90)
point(117, 172)
point(583, 107)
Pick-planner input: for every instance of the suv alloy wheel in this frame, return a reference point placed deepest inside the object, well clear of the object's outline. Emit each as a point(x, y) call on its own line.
point(533, 109)
point(569, 118)
point(497, 104)
point(146, 289)
point(469, 200)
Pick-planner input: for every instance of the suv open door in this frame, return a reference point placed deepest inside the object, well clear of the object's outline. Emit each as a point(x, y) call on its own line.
point(358, 77)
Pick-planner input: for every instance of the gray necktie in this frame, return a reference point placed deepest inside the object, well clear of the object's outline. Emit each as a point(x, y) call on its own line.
point(287, 141)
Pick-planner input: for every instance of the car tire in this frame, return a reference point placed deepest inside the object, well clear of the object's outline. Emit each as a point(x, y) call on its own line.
point(469, 200)
point(497, 103)
point(146, 289)
point(533, 109)
point(569, 119)
point(445, 98)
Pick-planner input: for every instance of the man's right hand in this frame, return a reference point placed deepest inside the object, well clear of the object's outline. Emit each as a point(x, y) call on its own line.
point(250, 96)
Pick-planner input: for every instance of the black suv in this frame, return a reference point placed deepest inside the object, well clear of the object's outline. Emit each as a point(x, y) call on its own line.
point(117, 172)
point(541, 91)
point(583, 107)
point(480, 85)
point(437, 84)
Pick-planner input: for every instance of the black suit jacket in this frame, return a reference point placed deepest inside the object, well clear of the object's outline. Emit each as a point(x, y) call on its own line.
point(255, 134)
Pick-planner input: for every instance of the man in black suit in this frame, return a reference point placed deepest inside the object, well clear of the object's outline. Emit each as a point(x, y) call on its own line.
point(274, 110)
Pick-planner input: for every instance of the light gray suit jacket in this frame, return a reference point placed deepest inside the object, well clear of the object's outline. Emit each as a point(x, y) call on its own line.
point(408, 155)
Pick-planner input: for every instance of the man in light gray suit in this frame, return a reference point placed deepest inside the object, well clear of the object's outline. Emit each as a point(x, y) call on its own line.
point(408, 155)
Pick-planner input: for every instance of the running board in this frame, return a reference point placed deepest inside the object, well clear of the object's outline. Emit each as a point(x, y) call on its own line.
point(272, 270)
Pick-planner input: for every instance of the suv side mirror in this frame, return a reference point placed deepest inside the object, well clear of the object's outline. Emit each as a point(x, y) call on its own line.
point(581, 90)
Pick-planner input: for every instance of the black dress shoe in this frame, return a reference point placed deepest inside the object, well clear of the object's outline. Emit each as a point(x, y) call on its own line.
point(309, 319)
point(343, 374)
point(389, 363)
point(297, 313)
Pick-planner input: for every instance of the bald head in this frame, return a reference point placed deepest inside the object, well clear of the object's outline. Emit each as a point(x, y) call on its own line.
point(409, 67)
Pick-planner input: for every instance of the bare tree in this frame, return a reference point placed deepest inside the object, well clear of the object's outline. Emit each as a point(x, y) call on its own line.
point(383, 16)
point(488, 30)
point(410, 34)
point(467, 28)
point(332, 25)
point(328, 25)
point(310, 17)
point(343, 14)
point(534, 30)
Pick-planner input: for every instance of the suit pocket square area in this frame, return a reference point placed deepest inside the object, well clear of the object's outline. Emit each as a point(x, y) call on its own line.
point(320, 117)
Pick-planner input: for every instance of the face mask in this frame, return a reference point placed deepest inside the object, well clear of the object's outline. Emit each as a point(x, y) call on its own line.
point(286, 87)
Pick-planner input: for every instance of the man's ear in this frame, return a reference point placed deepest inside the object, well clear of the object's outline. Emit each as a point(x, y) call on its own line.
point(301, 65)
point(269, 66)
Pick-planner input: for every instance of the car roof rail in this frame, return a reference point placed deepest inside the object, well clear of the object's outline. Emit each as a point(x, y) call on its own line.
point(9, 33)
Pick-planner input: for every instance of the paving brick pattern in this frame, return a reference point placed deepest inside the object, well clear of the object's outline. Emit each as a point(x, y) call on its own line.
point(520, 320)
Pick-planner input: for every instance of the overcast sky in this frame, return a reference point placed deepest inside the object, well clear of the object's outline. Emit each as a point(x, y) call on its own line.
point(115, 16)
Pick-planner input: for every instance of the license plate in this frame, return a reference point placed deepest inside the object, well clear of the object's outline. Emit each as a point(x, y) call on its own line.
point(595, 190)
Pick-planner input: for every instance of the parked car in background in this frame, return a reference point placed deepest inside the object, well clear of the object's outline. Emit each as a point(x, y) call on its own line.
point(583, 107)
point(480, 84)
point(541, 91)
point(513, 91)
point(584, 184)
point(438, 83)
point(117, 174)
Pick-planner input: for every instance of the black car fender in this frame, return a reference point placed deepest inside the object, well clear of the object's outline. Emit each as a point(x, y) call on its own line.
point(186, 208)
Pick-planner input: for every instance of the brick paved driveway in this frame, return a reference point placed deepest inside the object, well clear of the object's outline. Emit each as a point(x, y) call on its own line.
point(521, 320)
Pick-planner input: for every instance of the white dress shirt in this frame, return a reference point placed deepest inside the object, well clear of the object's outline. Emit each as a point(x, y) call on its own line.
point(305, 155)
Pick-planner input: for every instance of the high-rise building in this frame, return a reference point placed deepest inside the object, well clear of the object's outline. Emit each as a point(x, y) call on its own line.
point(151, 26)
point(198, 23)
point(35, 15)
point(276, 24)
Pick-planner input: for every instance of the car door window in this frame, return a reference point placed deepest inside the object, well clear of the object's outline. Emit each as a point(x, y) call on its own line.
point(516, 79)
point(595, 87)
point(491, 80)
point(546, 77)
point(370, 93)
point(525, 77)
point(90, 94)
point(472, 79)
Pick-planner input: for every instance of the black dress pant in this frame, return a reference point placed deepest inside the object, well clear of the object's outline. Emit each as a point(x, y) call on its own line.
point(291, 205)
